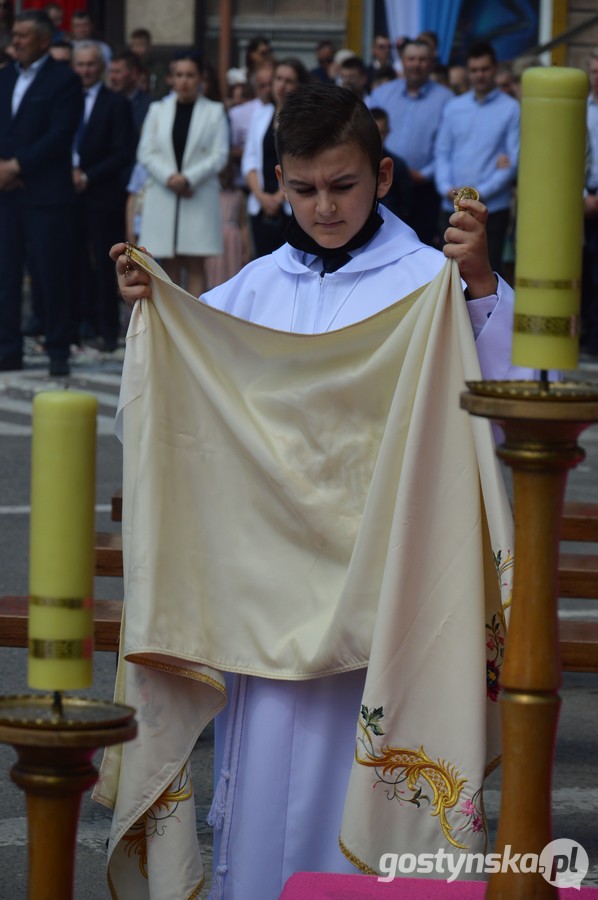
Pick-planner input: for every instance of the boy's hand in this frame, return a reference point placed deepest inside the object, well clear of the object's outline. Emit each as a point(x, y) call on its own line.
point(466, 242)
point(133, 283)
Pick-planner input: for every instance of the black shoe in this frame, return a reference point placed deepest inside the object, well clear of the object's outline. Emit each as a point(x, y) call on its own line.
point(59, 367)
point(12, 363)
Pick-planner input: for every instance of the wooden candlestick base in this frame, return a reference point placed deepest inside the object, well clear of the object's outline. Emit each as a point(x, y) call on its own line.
point(54, 768)
point(541, 425)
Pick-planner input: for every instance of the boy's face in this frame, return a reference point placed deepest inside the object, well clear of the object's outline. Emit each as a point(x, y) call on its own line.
point(332, 193)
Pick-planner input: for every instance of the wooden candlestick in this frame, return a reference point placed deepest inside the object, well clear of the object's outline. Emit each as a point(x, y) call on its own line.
point(541, 427)
point(54, 768)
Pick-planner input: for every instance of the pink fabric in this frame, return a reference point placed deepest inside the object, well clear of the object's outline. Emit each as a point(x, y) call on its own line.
point(323, 886)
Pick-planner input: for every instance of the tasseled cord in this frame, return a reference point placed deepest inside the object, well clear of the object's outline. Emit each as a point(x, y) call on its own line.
point(220, 814)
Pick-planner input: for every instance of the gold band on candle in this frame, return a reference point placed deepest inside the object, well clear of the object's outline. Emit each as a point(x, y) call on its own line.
point(553, 326)
point(61, 545)
point(550, 284)
point(550, 217)
point(62, 602)
point(41, 649)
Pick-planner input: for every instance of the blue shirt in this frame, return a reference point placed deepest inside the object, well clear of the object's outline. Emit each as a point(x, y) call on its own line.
point(473, 135)
point(413, 120)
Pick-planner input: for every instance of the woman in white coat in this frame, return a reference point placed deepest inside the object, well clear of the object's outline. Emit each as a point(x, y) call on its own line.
point(183, 145)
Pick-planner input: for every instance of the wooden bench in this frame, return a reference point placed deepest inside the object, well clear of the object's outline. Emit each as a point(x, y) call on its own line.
point(109, 545)
point(117, 506)
point(109, 554)
point(107, 613)
point(578, 577)
point(14, 614)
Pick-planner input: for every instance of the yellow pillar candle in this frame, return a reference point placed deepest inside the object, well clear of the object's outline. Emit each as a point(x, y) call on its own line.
point(550, 218)
point(61, 553)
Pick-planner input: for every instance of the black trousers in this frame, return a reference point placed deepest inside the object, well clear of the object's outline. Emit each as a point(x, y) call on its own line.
point(423, 216)
point(97, 304)
point(42, 236)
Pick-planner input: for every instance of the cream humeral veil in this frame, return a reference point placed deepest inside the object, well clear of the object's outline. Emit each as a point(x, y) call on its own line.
point(296, 506)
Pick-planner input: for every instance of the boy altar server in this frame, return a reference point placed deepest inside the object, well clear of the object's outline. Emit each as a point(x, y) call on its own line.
point(397, 641)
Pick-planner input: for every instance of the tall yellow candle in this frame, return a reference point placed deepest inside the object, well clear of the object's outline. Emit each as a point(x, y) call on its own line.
point(550, 218)
point(61, 555)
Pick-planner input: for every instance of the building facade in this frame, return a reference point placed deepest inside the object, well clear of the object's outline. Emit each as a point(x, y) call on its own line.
point(296, 26)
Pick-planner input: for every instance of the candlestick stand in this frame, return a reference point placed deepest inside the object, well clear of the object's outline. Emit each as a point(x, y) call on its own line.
point(54, 768)
point(541, 425)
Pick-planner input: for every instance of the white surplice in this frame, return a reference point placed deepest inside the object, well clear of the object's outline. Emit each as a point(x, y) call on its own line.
point(360, 534)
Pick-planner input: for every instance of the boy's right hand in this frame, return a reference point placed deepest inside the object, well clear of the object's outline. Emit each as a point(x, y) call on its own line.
point(133, 282)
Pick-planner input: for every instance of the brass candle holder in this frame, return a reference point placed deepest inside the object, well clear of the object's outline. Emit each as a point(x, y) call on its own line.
point(541, 423)
point(55, 739)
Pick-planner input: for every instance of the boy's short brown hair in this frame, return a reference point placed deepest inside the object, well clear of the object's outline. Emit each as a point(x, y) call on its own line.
point(319, 116)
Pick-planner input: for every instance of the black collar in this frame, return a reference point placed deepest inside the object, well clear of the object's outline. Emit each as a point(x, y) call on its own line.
point(298, 238)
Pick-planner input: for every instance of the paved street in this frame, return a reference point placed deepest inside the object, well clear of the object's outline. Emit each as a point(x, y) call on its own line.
point(576, 771)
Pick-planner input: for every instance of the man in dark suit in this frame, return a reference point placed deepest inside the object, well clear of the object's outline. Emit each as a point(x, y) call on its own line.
point(124, 77)
point(40, 106)
point(102, 157)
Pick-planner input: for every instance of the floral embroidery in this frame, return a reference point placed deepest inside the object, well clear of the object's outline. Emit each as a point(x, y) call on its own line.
point(503, 566)
point(155, 822)
point(401, 771)
point(496, 630)
point(473, 813)
point(135, 844)
point(495, 644)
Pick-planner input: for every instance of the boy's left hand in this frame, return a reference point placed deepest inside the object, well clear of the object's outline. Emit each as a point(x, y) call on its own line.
point(466, 242)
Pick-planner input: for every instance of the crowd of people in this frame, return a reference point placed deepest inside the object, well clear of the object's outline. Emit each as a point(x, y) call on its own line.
point(156, 153)
point(300, 172)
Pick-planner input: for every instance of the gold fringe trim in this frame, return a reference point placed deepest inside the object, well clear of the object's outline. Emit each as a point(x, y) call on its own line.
point(492, 765)
point(194, 894)
point(358, 863)
point(176, 670)
point(111, 887)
